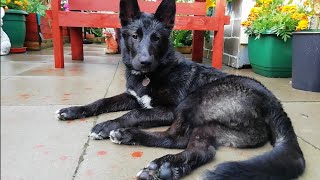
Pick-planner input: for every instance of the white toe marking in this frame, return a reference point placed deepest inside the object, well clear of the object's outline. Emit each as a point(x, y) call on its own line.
point(112, 137)
point(58, 116)
point(95, 136)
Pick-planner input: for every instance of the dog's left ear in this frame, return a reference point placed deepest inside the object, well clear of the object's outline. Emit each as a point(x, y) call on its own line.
point(129, 10)
point(166, 13)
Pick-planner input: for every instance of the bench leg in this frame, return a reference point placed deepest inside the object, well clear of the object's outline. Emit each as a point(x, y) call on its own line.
point(58, 47)
point(76, 43)
point(197, 46)
point(217, 49)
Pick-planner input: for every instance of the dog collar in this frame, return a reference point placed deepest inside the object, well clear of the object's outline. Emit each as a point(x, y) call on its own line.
point(145, 81)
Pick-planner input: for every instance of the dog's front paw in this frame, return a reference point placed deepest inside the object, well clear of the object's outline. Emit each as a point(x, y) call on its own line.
point(102, 130)
point(123, 136)
point(154, 171)
point(71, 113)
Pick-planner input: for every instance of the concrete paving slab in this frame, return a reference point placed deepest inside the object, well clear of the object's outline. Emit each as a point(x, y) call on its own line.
point(36, 146)
point(102, 59)
point(30, 58)
point(95, 71)
point(41, 147)
point(281, 87)
point(39, 90)
point(14, 68)
point(306, 120)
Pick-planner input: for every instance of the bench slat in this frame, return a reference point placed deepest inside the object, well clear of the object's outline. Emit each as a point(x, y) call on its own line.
point(82, 19)
point(197, 8)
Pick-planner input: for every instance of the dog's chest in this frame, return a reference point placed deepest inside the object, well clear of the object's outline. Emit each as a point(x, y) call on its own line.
point(143, 99)
point(139, 87)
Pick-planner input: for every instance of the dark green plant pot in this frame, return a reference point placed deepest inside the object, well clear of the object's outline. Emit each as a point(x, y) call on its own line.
point(270, 56)
point(306, 61)
point(14, 24)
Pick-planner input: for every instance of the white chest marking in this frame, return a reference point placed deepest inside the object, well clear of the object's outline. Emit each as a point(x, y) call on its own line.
point(144, 101)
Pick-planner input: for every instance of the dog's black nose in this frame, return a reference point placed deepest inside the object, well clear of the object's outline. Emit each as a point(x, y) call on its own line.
point(145, 60)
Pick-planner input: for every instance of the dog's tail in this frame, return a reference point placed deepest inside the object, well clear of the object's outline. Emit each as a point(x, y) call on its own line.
point(285, 161)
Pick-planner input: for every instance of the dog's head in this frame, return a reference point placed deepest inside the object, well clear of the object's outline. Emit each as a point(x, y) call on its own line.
point(145, 37)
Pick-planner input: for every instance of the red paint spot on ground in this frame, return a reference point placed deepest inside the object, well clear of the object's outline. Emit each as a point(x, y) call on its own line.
point(38, 146)
point(89, 172)
point(101, 153)
point(136, 154)
point(63, 158)
point(66, 94)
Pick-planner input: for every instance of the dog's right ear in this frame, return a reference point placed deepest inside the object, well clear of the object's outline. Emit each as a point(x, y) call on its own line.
point(129, 10)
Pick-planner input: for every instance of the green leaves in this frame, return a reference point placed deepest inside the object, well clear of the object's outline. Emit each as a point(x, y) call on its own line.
point(36, 6)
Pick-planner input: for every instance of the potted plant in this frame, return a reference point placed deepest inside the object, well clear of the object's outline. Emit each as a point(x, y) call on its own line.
point(91, 35)
point(270, 25)
point(34, 36)
point(306, 52)
point(14, 23)
point(182, 40)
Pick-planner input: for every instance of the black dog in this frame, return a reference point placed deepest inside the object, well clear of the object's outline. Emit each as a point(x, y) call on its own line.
point(205, 107)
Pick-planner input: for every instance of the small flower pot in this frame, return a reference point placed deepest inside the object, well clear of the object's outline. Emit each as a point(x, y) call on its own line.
point(184, 49)
point(306, 61)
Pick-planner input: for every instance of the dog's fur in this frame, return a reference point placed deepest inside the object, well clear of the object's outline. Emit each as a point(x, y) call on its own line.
point(205, 107)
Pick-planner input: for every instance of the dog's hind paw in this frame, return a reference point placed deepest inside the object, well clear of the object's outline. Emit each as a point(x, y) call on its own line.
point(102, 130)
point(122, 136)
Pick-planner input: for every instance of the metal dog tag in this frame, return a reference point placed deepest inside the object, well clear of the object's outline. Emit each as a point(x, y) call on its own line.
point(145, 81)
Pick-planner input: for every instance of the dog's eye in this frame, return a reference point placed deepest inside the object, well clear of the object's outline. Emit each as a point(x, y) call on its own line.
point(134, 36)
point(155, 38)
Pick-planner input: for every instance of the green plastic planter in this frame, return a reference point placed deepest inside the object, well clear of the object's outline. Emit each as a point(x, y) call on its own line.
point(14, 24)
point(270, 56)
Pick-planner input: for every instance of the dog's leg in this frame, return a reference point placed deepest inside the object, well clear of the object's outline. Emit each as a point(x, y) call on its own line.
point(157, 116)
point(120, 102)
point(177, 136)
point(200, 150)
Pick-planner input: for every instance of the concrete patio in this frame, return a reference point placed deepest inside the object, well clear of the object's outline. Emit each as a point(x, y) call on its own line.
point(36, 146)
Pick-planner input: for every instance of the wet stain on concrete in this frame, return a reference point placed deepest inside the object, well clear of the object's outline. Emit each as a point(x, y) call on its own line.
point(137, 154)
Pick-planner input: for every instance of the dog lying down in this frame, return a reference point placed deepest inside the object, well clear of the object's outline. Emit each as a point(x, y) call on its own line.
point(204, 107)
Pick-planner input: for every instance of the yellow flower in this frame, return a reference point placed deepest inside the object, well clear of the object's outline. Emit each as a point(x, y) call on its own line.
point(210, 3)
point(8, 1)
point(256, 10)
point(289, 9)
point(246, 23)
point(266, 1)
point(299, 16)
point(302, 25)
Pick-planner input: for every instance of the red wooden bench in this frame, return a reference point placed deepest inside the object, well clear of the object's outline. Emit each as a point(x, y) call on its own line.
point(196, 20)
